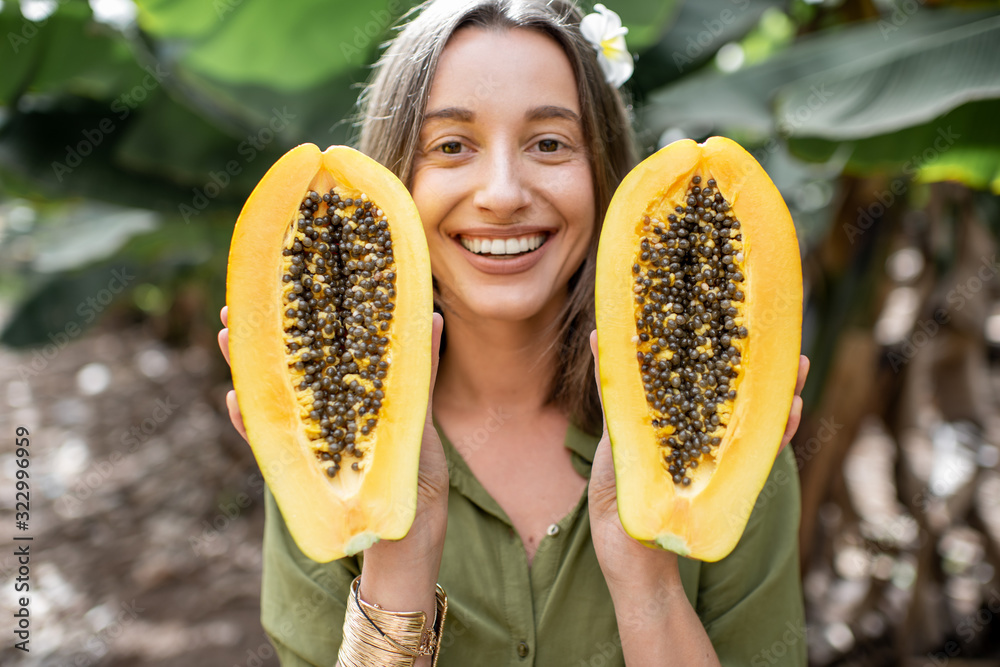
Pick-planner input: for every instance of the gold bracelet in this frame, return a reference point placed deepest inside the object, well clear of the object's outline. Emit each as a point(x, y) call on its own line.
point(373, 636)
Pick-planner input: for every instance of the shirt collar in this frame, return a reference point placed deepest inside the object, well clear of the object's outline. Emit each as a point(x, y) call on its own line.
point(582, 443)
point(461, 478)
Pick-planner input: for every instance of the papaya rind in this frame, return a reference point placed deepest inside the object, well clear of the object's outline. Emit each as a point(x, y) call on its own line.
point(707, 519)
point(329, 519)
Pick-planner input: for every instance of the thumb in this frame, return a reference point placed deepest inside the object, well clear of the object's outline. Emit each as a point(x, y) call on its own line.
point(597, 379)
point(437, 329)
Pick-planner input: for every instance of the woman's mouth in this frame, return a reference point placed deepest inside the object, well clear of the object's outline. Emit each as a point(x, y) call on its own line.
point(513, 246)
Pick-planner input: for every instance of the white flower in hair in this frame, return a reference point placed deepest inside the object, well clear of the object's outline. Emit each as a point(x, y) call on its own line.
point(604, 30)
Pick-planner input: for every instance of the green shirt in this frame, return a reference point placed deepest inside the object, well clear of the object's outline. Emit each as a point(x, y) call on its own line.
point(558, 611)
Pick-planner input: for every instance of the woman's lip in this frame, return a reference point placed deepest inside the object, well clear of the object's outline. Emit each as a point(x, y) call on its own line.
point(509, 265)
point(502, 232)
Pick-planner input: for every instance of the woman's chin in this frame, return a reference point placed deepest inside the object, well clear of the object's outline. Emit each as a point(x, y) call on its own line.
point(500, 304)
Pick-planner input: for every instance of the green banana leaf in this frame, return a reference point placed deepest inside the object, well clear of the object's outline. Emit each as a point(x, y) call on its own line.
point(880, 94)
point(744, 100)
point(909, 85)
point(695, 35)
point(66, 54)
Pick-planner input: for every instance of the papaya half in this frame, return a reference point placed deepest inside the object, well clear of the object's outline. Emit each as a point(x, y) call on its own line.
point(699, 318)
point(330, 304)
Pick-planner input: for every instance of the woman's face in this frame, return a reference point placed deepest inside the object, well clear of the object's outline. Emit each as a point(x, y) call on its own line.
point(502, 178)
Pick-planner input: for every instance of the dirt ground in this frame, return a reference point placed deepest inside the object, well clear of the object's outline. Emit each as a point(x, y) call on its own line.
point(145, 508)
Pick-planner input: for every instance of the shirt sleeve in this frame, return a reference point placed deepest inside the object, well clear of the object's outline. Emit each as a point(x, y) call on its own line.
point(303, 602)
point(751, 601)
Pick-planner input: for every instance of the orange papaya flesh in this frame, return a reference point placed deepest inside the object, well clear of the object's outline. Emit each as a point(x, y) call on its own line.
point(699, 308)
point(330, 303)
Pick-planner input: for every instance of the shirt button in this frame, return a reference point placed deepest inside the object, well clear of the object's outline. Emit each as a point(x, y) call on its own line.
point(553, 530)
point(523, 650)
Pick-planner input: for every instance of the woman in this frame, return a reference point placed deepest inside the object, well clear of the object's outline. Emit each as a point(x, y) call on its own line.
point(498, 117)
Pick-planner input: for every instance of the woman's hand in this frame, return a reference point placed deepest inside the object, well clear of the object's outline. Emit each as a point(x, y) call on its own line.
point(433, 475)
point(647, 579)
point(658, 626)
point(234, 407)
point(624, 561)
point(399, 575)
point(795, 414)
point(610, 538)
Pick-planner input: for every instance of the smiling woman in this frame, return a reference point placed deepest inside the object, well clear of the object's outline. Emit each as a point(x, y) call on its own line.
point(501, 170)
point(498, 117)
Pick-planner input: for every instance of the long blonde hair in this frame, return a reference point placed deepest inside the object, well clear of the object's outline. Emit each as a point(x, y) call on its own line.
point(391, 111)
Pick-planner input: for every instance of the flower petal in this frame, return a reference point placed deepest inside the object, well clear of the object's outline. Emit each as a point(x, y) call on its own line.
point(604, 30)
point(615, 45)
point(616, 70)
point(613, 21)
point(592, 28)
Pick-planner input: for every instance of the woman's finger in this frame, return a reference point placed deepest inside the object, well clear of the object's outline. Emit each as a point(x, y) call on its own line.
point(235, 415)
point(794, 418)
point(803, 374)
point(224, 343)
point(795, 413)
point(437, 327)
point(224, 316)
point(597, 378)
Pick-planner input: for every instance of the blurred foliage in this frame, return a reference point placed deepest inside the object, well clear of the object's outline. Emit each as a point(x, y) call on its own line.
point(132, 135)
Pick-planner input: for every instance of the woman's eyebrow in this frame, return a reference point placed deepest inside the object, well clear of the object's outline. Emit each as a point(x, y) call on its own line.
point(551, 111)
point(451, 113)
point(463, 115)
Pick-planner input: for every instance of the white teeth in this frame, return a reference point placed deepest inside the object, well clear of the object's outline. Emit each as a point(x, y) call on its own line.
point(506, 246)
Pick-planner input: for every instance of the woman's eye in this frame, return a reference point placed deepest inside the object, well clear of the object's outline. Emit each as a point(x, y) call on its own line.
point(548, 145)
point(451, 147)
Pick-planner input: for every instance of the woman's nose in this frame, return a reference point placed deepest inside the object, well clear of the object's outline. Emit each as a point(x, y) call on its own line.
point(502, 188)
